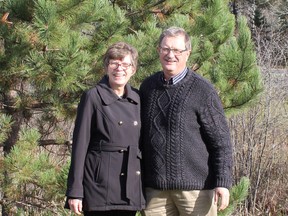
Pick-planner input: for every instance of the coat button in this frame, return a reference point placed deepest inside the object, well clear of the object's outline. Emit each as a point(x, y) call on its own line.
point(135, 123)
point(120, 122)
point(138, 172)
point(122, 174)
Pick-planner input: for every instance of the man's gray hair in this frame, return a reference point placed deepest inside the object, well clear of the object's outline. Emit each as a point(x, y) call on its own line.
point(173, 32)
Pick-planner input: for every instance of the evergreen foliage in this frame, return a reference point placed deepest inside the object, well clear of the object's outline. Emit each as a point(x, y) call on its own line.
point(51, 51)
point(240, 82)
point(33, 177)
point(5, 127)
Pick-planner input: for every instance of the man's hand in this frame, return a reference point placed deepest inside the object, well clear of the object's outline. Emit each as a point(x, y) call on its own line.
point(222, 195)
point(75, 205)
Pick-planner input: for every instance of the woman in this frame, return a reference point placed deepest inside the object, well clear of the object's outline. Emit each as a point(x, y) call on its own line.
point(104, 176)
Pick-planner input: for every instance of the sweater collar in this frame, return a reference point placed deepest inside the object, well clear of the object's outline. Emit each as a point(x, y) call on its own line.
point(175, 79)
point(108, 96)
point(185, 79)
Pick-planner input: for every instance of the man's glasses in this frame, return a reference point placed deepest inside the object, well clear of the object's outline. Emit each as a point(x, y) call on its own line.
point(176, 52)
point(115, 65)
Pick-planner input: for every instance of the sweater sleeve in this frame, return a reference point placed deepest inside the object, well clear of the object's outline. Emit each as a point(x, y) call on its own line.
point(217, 136)
point(81, 139)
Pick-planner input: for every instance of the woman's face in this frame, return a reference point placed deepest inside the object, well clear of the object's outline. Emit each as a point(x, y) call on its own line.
point(120, 71)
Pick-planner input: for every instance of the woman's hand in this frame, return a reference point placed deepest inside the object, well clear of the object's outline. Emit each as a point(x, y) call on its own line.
point(75, 205)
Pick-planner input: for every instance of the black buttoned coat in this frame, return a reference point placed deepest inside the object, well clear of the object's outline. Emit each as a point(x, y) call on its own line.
point(105, 161)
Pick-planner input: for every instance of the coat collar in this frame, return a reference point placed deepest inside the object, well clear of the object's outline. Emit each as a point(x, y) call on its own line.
point(108, 96)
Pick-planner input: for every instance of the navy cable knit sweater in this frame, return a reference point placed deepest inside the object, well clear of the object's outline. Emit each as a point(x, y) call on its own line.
point(186, 141)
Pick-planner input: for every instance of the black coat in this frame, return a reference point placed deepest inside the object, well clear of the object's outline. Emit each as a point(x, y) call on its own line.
point(105, 161)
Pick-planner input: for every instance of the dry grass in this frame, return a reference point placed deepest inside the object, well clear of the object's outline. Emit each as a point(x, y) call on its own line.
point(260, 138)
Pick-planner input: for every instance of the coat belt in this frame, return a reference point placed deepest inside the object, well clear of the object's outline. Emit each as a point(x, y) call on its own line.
point(133, 153)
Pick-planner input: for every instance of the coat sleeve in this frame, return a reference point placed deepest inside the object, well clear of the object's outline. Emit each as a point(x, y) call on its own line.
point(81, 139)
point(217, 139)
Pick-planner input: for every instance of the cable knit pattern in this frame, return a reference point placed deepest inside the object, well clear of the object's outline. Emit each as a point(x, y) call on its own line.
point(186, 140)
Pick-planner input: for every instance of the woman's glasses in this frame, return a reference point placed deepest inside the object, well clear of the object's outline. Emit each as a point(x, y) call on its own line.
point(115, 65)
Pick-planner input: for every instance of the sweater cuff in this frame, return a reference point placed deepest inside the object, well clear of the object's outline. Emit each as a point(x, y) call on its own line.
point(223, 182)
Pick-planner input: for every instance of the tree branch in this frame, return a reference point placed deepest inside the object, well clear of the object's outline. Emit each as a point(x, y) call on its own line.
point(54, 142)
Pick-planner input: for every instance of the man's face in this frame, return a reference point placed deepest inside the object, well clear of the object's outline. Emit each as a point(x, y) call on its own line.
point(173, 62)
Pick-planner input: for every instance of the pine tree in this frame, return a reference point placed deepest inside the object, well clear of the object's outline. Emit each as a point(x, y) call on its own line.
point(51, 51)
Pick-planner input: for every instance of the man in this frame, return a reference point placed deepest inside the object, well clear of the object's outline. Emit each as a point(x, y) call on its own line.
point(187, 154)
